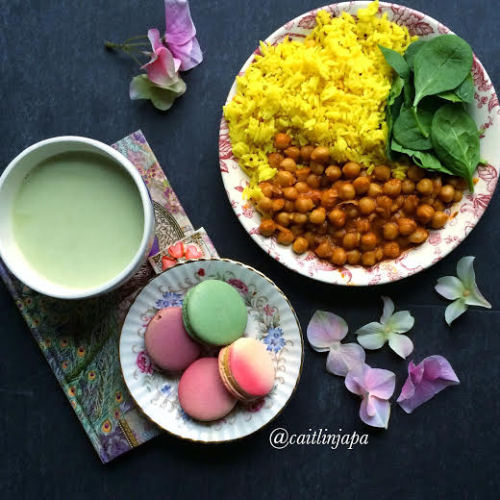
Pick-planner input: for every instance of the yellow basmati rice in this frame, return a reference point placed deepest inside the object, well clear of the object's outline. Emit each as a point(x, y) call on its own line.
point(329, 89)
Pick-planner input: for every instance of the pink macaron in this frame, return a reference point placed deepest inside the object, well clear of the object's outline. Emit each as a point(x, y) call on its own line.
point(167, 342)
point(202, 394)
point(247, 369)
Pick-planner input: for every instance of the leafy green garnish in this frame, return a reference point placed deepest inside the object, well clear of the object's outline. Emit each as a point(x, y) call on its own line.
point(463, 93)
point(436, 136)
point(455, 140)
point(441, 64)
point(392, 109)
point(412, 50)
point(396, 61)
point(413, 134)
point(424, 159)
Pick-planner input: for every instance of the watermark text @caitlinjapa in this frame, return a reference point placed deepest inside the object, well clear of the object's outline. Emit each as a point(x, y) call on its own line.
point(280, 438)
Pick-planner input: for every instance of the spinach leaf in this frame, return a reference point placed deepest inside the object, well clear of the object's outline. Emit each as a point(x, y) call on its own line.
point(455, 140)
point(440, 64)
point(466, 89)
point(396, 61)
point(463, 93)
point(412, 50)
point(413, 134)
point(409, 92)
point(423, 159)
point(395, 91)
point(429, 161)
point(392, 109)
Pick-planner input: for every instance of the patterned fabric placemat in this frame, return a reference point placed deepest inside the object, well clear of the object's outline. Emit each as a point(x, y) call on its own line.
point(79, 339)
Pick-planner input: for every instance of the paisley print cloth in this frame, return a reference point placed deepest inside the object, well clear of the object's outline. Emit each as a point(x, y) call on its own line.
point(79, 339)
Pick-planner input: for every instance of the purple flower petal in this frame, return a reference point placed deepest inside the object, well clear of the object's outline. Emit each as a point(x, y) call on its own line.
point(354, 380)
point(375, 386)
point(425, 380)
point(438, 367)
point(344, 358)
point(178, 22)
point(325, 329)
point(189, 54)
point(416, 371)
point(375, 412)
point(408, 390)
point(180, 34)
point(379, 382)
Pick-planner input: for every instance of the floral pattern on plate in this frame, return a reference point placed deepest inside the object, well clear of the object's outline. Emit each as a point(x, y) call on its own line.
point(464, 215)
point(271, 319)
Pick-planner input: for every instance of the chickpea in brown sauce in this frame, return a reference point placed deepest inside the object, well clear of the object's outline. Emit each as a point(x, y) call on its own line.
point(345, 215)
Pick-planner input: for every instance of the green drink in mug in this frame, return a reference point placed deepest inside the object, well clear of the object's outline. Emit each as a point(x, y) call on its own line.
point(75, 218)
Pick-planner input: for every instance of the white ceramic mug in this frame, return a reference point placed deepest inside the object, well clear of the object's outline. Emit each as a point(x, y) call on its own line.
point(10, 182)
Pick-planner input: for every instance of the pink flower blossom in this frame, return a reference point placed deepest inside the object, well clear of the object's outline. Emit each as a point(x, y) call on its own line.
point(177, 250)
point(325, 332)
point(268, 310)
point(167, 262)
point(255, 406)
point(178, 50)
point(192, 253)
point(375, 386)
point(425, 380)
point(144, 363)
point(239, 285)
point(163, 67)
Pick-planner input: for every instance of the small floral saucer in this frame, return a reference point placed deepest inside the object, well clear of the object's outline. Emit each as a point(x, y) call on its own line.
point(271, 319)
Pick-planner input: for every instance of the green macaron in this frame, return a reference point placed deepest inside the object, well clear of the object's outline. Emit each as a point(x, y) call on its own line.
point(214, 313)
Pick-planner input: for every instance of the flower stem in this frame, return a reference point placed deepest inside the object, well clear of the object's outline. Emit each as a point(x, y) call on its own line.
point(137, 37)
point(131, 49)
point(124, 46)
point(136, 44)
point(139, 63)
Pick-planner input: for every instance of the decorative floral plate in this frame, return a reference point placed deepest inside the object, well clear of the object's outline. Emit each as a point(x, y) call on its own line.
point(271, 319)
point(486, 113)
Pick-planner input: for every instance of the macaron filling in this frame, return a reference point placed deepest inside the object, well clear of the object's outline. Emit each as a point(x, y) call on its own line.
point(228, 380)
point(246, 369)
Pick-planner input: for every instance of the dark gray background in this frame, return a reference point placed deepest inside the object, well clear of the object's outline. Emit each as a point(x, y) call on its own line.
point(56, 78)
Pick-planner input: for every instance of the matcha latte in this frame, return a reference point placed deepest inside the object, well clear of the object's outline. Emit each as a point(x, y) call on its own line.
point(78, 219)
